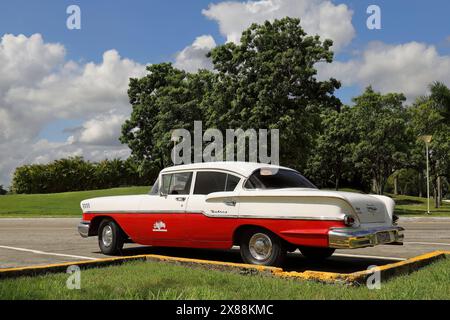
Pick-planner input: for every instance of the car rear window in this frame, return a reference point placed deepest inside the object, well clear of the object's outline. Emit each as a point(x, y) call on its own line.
point(209, 181)
point(277, 179)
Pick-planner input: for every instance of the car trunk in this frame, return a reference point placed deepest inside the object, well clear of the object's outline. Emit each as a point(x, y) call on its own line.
point(368, 208)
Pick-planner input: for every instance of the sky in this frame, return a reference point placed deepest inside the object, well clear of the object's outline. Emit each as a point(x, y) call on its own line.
point(63, 92)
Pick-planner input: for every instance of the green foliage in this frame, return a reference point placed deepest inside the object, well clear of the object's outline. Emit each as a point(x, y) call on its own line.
point(164, 100)
point(3, 191)
point(266, 82)
point(331, 158)
point(76, 174)
point(383, 142)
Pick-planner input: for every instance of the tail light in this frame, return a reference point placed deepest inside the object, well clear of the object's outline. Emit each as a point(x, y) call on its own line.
point(349, 220)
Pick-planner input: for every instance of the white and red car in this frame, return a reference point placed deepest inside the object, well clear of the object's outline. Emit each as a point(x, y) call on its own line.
point(267, 210)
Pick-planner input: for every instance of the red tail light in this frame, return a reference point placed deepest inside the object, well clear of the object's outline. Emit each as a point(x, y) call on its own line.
point(349, 220)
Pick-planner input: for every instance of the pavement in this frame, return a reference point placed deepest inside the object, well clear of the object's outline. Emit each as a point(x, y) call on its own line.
point(41, 241)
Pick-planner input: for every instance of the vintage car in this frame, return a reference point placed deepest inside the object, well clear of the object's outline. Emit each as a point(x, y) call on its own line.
point(267, 210)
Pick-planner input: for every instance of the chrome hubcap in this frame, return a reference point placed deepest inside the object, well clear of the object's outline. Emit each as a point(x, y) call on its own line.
point(107, 236)
point(260, 246)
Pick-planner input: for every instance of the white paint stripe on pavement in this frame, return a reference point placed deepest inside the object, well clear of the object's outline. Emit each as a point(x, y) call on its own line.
point(428, 243)
point(367, 256)
point(47, 253)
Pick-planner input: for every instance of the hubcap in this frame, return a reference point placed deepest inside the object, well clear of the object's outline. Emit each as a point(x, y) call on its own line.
point(107, 236)
point(260, 246)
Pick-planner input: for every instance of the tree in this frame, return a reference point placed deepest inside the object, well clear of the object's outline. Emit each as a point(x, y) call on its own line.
point(164, 100)
point(332, 156)
point(269, 81)
point(429, 116)
point(3, 191)
point(382, 138)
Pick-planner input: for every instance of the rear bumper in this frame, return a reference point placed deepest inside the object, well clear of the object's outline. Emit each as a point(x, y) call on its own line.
point(352, 238)
point(83, 228)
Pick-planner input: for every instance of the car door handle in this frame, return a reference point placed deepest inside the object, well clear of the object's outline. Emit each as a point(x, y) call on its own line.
point(180, 198)
point(230, 203)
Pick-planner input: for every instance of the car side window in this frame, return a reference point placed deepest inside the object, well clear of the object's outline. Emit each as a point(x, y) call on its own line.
point(232, 182)
point(176, 183)
point(209, 181)
point(155, 188)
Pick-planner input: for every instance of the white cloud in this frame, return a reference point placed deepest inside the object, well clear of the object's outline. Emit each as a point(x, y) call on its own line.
point(102, 130)
point(193, 57)
point(408, 68)
point(317, 17)
point(39, 86)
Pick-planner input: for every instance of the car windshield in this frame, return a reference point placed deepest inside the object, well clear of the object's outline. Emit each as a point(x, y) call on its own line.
point(277, 179)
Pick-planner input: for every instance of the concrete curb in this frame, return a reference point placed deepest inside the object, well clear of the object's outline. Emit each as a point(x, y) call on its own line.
point(356, 278)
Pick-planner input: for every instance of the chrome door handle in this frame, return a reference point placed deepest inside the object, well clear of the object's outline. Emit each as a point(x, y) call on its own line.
point(230, 203)
point(180, 198)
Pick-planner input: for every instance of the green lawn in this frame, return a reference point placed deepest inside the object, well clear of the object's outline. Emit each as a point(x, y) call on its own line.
point(68, 204)
point(57, 204)
point(157, 280)
point(415, 206)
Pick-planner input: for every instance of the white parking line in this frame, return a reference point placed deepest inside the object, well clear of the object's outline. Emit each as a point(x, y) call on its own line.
point(367, 256)
point(47, 253)
point(429, 243)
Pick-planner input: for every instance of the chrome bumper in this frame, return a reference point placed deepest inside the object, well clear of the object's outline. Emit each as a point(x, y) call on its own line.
point(83, 228)
point(351, 238)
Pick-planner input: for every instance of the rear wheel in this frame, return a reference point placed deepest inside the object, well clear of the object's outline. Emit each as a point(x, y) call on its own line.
point(262, 247)
point(314, 253)
point(110, 238)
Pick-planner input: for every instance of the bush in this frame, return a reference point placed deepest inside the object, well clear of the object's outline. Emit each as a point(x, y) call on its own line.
point(3, 191)
point(76, 174)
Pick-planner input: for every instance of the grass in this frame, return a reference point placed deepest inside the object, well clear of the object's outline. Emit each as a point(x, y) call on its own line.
point(157, 280)
point(415, 206)
point(65, 204)
point(68, 204)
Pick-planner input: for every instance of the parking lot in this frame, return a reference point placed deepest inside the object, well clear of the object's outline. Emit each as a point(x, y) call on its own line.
point(39, 241)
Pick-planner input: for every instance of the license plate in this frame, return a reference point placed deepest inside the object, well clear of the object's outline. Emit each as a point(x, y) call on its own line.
point(383, 237)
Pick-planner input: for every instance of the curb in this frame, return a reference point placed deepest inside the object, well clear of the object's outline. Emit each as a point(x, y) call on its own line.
point(357, 278)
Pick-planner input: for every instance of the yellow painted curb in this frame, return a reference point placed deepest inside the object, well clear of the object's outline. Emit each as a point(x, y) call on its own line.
point(360, 277)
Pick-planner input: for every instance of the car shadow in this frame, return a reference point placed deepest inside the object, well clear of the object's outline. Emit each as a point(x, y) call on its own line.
point(294, 261)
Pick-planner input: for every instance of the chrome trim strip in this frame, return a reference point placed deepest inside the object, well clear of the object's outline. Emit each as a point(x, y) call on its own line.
point(242, 216)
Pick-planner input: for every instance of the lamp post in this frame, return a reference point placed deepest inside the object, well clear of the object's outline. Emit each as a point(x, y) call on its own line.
point(427, 140)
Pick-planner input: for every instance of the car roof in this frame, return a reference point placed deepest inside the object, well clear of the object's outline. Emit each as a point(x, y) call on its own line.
point(242, 168)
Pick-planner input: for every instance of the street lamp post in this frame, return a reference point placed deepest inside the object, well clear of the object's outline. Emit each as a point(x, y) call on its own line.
point(427, 140)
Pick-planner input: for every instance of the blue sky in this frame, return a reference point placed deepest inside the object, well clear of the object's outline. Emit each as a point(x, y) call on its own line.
point(413, 49)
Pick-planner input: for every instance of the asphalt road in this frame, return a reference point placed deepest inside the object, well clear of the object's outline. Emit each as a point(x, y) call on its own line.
point(26, 242)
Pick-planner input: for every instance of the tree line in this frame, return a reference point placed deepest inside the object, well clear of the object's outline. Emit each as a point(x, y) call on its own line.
point(77, 174)
point(269, 81)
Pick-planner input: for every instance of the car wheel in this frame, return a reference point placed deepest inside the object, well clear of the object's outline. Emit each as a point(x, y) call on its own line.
point(110, 238)
point(262, 247)
point(314, 253)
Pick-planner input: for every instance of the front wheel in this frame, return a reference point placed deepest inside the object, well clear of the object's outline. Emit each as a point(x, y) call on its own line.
point(262, 247)
point(313, 253)
point(110, 238)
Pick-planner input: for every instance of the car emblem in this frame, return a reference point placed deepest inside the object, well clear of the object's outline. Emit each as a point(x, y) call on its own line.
point(159, 226)
point(372, 208)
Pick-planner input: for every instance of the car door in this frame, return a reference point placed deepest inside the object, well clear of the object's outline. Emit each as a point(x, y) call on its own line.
point(211, 221)
point(166, 211)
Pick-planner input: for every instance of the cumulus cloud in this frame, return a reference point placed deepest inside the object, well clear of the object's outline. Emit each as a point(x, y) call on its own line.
point(317, 17)
point(193, 57)
point(406, 68)
point(38, 86)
